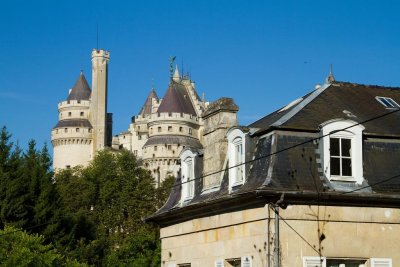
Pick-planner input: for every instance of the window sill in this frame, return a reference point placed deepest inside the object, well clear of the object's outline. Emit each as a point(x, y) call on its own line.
point(342, 178)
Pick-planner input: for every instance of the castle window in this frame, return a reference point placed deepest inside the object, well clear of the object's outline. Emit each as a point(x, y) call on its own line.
point(169, 114)
point(82, 113)
point(77, 130)
point(65, 130)
point(190, 131)
point(69, 114)
point(56, 131)
point(78, 101)
point(135, 152)
point(90, 130)
point(188, 175)
point(169, 128)
point(342, 151)
point(154, 155)
point(180, 129)
point(168, 147)
point(159, 129)
point(139, 137)
point(155, 148)
point(236, 155)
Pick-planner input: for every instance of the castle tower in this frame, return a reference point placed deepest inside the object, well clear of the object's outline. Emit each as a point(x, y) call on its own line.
point(72, 136)
point(98, 106)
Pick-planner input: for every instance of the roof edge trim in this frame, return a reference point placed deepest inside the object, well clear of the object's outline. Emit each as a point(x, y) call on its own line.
point(301, 105)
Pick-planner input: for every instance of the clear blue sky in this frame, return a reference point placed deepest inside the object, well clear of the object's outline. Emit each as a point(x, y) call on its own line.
point(264, 54)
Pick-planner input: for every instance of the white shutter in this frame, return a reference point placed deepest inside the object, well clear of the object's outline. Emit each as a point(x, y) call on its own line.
point(246, 261)
point(171, 264)
point(219, 263)
point(314, 262)
point(376, 262)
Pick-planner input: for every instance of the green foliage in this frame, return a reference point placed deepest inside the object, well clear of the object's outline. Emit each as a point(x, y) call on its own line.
point(18, 248)
point(91, 214)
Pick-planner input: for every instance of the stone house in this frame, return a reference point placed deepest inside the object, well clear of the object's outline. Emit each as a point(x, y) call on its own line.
point(313, 184)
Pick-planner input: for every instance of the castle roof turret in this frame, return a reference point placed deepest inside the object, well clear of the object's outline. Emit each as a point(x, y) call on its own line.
point(81, 89)
point(147, 107)
point(177, 99)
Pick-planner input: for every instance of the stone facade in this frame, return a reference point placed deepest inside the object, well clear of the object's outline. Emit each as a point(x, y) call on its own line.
point(354, 233)
point(164, 127)
point(84, 126)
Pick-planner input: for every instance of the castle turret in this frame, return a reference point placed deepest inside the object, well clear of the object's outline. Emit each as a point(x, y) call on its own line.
point(72, 136)
point(98, 106)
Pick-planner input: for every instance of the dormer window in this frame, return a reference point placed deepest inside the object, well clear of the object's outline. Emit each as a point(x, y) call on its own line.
point(342, 151)
point(236, 157)
point(187, 174)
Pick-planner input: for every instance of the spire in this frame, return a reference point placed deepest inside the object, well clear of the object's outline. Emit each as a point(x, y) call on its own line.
point(81, 89)
point(148, 104)
point(176, 77)
point(330, 78)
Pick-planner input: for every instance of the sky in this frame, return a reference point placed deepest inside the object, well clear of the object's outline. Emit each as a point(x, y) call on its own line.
point(263, 54)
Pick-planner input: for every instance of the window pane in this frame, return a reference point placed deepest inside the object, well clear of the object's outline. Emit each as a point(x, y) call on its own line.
point(346, 147)
point(335, 166)
point(334, 146)
point(346, 167)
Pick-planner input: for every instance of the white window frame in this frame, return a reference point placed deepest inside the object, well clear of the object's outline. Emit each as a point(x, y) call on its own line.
point(311, 261)
point(393, 104)
point(352, 132)
point(246, 261)
point(236, 138)
point(219, 263)
point(377, 262)
point(187, 172)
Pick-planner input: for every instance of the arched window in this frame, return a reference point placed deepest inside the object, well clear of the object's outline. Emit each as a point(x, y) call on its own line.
point(187, 174)
point(236, 157)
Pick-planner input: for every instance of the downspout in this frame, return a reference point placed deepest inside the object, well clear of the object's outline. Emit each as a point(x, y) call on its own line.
point(268, 237)
point(277, 259)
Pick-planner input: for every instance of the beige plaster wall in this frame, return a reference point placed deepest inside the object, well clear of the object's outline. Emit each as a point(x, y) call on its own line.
point(350, 232)
point(203, 241)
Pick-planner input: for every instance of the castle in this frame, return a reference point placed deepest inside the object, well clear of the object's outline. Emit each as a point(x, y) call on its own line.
point(157, 135)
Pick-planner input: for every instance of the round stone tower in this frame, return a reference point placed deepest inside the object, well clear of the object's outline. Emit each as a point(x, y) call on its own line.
point(72, 136)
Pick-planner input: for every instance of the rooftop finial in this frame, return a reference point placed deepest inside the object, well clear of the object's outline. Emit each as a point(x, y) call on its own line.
point(81, 72)
point(176, 77)
point(330, 78)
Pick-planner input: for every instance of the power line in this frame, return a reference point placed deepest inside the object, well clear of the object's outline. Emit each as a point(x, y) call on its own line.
point(288, 148)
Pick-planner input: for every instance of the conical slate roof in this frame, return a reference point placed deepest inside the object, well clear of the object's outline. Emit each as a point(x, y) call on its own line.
point(147, 107)
point(81, 89)
point(177, 100)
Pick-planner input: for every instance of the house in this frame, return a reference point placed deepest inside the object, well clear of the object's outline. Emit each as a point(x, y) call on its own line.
point(315, 183)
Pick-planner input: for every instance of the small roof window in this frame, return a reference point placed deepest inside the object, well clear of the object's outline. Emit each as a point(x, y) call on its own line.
point(387, 102)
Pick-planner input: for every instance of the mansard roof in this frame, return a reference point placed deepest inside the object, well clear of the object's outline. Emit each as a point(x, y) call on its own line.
point(281, 168)
point(73, 123)
point(173, 139)
point(81, 89)
point(337, 100)
point(148, 104)
point(177, 99)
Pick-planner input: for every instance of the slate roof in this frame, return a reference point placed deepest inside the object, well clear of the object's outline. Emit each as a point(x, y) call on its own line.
point(73, 123)
point(81, 89)
point(177, 99)
point(173, 139)
point(296, 174)
point(330, 102)
point(148, 104)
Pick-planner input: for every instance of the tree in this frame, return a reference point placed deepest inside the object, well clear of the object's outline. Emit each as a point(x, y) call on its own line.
point(18, 248)
point(114, 194)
